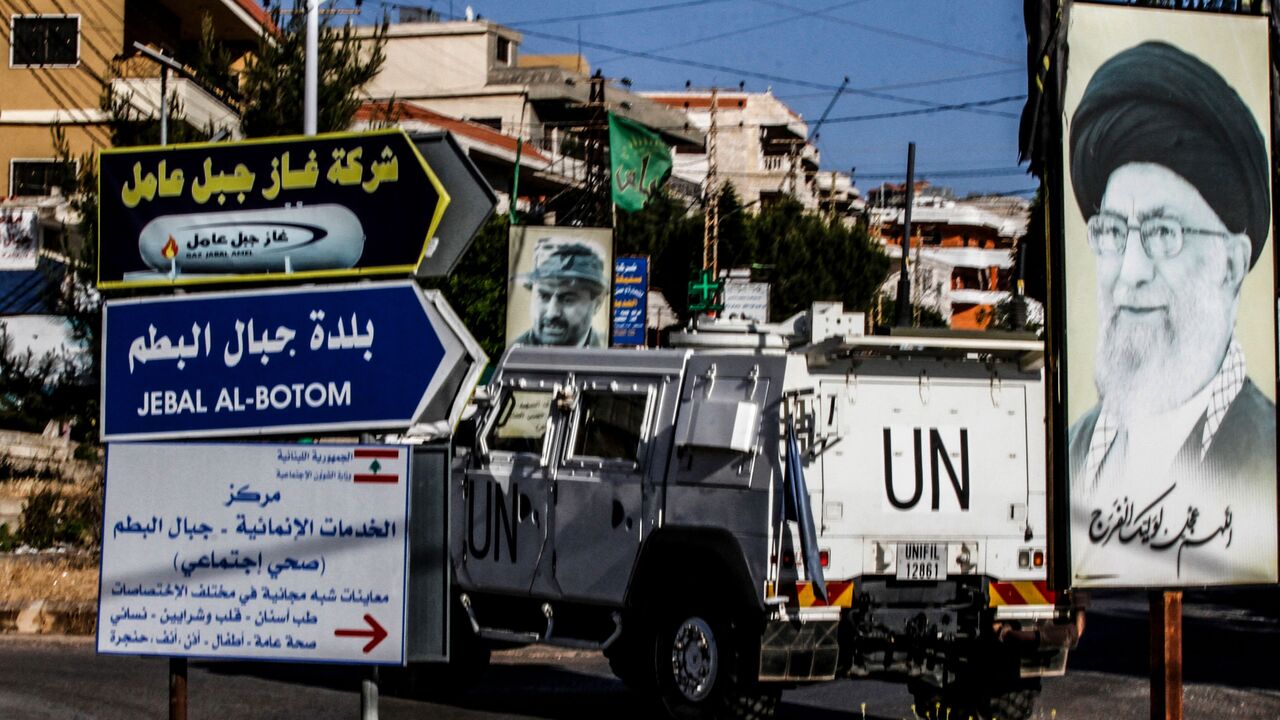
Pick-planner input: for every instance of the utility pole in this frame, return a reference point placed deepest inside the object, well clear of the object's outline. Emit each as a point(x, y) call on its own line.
point(311, 72)
point(711, 198)
point(594, 204)
point(903, 310)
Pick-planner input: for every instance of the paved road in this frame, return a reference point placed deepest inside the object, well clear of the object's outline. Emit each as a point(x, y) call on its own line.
point(1229, 666)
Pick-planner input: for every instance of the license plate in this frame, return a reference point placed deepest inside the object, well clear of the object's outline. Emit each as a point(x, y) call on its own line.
point(922, 561)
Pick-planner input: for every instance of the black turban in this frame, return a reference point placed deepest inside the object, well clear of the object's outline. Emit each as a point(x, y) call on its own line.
point(1154, 103)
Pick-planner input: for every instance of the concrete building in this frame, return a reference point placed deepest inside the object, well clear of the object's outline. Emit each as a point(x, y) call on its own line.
point(762, 150)
point(59, 63)
point(963, 252)
point(473, 72)
point(61, 59)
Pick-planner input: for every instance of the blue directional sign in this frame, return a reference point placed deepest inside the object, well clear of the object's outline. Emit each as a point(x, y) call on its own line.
point(367, 357)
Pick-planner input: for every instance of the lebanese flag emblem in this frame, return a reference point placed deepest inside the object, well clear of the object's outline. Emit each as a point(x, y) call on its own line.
point(371, 459)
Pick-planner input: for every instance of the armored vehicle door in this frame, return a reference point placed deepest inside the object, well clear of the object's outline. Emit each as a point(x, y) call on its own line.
point(600, 483)
point(505, 501)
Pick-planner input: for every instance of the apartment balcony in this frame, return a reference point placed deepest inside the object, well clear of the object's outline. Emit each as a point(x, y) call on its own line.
point(139, 86)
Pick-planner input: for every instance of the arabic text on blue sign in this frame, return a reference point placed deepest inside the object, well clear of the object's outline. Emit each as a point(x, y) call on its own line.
point(355, 356)
point(630, 299)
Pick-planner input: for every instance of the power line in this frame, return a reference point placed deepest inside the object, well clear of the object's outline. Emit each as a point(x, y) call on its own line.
point(768, 77)
point(896, 34)
point(740, 31)
point(930, 111)
point(972, 173)
point(615, 13)
point(751, 73)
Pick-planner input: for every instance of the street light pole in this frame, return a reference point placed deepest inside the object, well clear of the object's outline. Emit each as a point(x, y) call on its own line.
point(164, 105)
point(311, 73)
point(903, 310)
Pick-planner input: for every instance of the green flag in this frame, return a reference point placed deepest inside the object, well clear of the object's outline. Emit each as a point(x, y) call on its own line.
point(639, 162)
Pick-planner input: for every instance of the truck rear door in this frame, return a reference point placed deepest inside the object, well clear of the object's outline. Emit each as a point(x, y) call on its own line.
point(934, 475)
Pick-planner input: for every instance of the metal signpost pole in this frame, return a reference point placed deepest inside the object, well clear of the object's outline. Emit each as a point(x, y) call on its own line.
point(311, 71)
point(177, 688)
point(1166, 655)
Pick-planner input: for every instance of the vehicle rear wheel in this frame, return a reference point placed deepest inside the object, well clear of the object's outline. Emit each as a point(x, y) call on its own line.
point(698, 673)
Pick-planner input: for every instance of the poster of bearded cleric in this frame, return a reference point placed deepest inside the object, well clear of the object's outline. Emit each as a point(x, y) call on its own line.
point(1170, 304)
point(558, 286)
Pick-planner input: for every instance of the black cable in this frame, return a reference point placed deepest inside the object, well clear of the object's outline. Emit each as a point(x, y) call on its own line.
point(614, 13)
point(738, 71)
point(899, 35)
point(756, 75)
point(930, 111)
point(740, 31)
point(973, 173)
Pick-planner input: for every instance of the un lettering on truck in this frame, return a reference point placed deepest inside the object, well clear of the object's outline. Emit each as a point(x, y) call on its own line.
point(931, 478)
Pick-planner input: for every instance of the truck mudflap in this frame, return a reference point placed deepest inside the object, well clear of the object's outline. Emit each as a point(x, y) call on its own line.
point(800, 651)
point(1043, 625)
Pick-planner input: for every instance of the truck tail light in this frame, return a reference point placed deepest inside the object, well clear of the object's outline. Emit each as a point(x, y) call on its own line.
point(1038, 558)
point(824, 558)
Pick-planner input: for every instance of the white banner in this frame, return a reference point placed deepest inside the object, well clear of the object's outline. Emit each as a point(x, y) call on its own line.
point(19, 239)
point(255, 551)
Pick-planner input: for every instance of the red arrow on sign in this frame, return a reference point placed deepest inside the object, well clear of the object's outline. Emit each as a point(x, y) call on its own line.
point(375, 633)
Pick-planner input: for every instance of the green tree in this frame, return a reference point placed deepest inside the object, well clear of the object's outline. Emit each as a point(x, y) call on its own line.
point(671, 236)
point(477, 288)
point(273, 78)
point(814, 258)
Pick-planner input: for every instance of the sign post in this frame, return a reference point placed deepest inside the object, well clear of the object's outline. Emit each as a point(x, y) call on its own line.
point(304, 360)
point(1166, 655)
point(266, 552)
point(280, 208)
point(255, 552)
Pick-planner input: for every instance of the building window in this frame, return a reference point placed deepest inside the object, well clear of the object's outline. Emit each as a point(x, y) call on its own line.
point(37, 178)
point(504, 51)
point(43, 40)
point(493, 122)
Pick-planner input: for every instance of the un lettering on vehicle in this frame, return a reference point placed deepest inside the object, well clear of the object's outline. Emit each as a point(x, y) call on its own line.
point(926, 469)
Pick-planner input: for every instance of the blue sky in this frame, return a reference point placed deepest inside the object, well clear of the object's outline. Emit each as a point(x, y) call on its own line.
point(924, 53)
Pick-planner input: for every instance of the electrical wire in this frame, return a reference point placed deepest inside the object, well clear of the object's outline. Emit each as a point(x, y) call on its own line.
point(768, 77)
point(971, 173)
point(930, 111)
point(759, 75)
point(896, 34)
point(738, 31)
point(615, 13)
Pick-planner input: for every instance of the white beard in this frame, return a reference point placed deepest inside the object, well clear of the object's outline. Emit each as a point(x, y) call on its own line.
point(1152, 364)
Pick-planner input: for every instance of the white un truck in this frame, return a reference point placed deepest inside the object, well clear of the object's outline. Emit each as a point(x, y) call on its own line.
point(743, 514)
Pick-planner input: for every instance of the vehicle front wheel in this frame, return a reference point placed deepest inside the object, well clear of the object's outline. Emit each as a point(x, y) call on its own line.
point(696, 658)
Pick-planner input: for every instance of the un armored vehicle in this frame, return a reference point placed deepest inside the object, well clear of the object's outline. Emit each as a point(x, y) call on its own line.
point(748, 513)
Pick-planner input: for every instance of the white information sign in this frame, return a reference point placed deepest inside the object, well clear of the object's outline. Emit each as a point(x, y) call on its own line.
point(746, 300)
point(255, 551)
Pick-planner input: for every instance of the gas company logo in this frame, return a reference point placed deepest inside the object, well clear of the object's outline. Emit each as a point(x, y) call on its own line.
point(294, 239)
point(926, 448)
